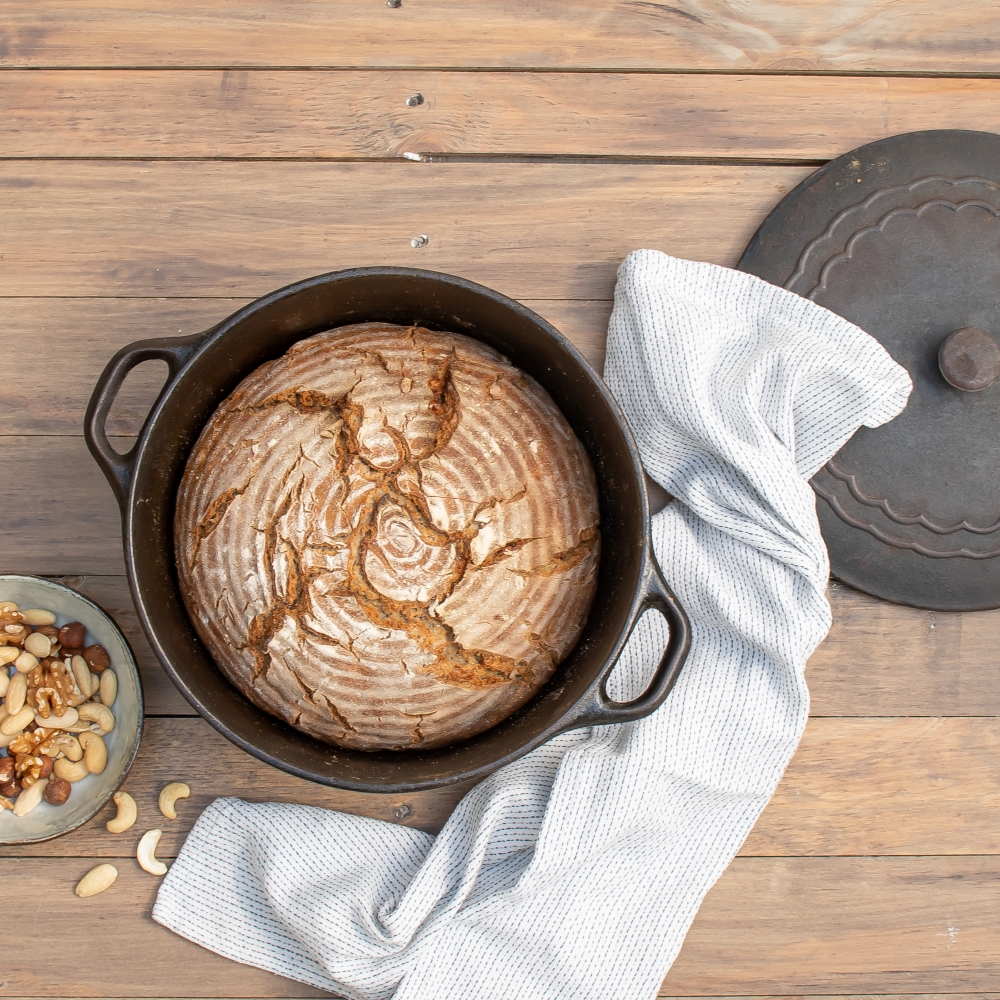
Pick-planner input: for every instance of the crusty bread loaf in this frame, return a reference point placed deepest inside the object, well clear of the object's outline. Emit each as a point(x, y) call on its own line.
point(388, 537)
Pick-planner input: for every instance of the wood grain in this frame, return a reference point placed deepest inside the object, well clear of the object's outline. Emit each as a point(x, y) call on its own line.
point(263, 113)
point(190, 750)
point(47, 334)
point(844, 925)
point(856, 996)
point(857, 35)
point(769, 926)
point(530, 230)
point(95, 946)
point(841, 794)
point(59, 514)
point(884, 659)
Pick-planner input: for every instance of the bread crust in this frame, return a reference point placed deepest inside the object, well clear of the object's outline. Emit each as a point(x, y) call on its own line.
point(388, 537)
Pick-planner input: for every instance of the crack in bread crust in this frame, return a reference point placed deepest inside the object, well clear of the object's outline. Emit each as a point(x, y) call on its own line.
point(393, 507)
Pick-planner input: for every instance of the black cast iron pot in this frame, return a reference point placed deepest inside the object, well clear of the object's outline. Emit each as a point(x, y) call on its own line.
point(206, 368)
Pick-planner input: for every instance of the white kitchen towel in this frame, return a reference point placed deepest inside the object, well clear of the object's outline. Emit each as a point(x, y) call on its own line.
point(575, 872)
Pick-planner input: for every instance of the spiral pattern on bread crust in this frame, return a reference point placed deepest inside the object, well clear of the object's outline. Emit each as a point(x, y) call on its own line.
point(388, 537)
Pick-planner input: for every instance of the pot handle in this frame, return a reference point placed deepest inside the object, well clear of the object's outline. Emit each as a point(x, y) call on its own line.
point(656, 593)
point(118, 469)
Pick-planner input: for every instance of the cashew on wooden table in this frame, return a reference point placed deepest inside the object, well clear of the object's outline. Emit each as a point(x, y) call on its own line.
point(146, 853)
point(170, 794)
point(127, 813)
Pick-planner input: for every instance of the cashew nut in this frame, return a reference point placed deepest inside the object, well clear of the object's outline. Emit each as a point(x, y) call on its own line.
point(146, 853)
point(101, 714)
point(80, 727)
point(170, 794)
point(8, 654)
point(108, 688)
point(30, 797)
point(97, 880)
point(70, 770)
point(62, 743)
point(95, 751)
point(127, 813)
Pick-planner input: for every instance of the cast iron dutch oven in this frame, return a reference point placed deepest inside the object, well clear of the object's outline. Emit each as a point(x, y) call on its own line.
point(206, 368)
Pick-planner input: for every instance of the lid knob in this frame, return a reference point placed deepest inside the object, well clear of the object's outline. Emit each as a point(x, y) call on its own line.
point(969, 359)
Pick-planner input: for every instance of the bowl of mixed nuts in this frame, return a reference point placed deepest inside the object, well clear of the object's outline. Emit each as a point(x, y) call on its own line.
point(70, 709)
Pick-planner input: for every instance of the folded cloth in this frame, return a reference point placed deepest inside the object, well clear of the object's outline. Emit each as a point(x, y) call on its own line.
point(575, 872)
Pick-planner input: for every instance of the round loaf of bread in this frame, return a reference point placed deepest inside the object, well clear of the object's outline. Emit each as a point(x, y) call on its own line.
point(388, 537)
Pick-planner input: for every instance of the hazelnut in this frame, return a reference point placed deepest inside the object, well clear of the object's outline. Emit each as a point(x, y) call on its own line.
point(10, 789)
point(72, 634)
point(6, 769)
point(97, 658)
point(57, 791)
point(46, 766)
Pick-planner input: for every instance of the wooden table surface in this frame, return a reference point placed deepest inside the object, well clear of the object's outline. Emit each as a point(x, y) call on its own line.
point(164, 164)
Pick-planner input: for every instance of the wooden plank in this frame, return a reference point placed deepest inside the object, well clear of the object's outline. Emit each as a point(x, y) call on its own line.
point(530, 230)
point(885, 659)
point(856, 996)
point(59, 514)
point(844, 925)
point(886, 787)
point(866, 35)
point(842, 996)
point(95, 946)
point(770, 926)
point(44, 332)
point(190, 750)
point(263, 113)
point(841, 794)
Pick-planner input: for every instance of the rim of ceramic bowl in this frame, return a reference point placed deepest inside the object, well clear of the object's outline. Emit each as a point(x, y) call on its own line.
point(135, 736)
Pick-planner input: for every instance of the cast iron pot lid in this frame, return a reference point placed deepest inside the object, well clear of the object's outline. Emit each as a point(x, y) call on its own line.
point(902, 237)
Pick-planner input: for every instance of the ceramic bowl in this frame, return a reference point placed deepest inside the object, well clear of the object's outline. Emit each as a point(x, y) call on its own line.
point(90, 794)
